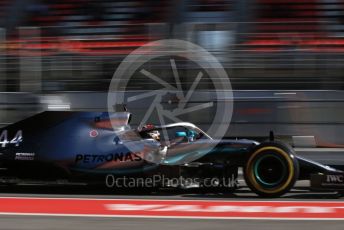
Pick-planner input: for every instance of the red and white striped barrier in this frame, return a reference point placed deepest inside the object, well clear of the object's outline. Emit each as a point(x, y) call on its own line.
point(199, 209)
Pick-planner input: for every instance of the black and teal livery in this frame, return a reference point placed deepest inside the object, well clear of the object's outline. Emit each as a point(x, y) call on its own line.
point(87, 147)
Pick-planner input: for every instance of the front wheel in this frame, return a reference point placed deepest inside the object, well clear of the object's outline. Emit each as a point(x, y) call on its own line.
point(272, 169)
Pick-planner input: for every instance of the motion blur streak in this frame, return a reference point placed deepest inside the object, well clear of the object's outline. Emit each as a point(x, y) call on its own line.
point(285, 63)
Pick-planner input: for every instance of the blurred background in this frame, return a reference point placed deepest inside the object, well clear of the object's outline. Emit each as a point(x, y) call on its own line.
point(284, 57)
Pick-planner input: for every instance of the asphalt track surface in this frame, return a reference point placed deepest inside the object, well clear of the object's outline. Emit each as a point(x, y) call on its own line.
point(36, 222)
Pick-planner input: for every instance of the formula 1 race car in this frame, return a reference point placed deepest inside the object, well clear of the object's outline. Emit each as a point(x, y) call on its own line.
point(100, 148)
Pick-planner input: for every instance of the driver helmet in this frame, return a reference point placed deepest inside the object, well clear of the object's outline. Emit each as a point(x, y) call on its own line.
point(155, 134)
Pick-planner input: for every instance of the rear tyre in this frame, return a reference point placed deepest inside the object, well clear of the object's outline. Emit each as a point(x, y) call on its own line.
point(272, 169)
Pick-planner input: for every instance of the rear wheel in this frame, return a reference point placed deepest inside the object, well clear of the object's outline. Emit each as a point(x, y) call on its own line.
point(272, 169)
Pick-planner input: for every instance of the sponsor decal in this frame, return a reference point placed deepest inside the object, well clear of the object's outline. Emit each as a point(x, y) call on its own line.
point(25, 156)
point(94, 133)
point(333, 179)
point(118, 141)
point(197, 209)
point(98, 158)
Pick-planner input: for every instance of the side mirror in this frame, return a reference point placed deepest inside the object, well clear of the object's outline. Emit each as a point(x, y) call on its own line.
point(180, 134)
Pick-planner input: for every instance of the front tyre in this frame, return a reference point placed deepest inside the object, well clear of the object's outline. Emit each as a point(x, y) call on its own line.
point(272, 169)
